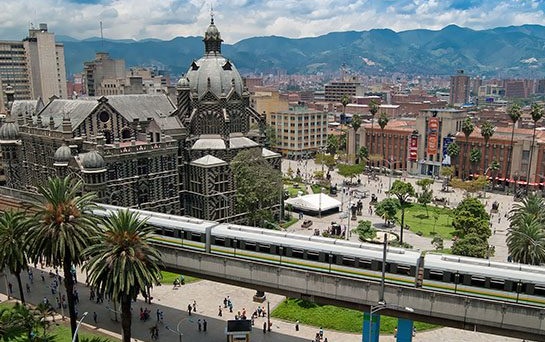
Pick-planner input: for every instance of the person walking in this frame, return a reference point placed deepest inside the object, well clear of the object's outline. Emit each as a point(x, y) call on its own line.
point(297, 325)
point(95, 317)
point(189, 308)
point(264, 327)
point(199, 325)
point(194, 306)
point(204, 324)
point(220, 311)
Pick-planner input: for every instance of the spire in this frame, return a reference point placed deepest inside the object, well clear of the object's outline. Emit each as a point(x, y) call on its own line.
point(212, 39)
point(211, 15)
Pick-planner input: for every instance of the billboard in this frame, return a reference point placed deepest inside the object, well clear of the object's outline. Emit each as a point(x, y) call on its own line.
point(433, 128)
point(446, 142)
point(413, 148)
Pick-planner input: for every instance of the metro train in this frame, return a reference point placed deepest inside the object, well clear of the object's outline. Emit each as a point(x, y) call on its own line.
point(439, 272)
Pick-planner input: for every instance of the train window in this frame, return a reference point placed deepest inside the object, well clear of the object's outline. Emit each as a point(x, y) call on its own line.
point(219, 241)
point(403, 269)
point(168, 232)
point(158, 231)
point(436, 275)
point(496, 284)
point(297, 253)
point(264, 248)
point(478, 281)
point(195, 237)
point(539, 290)
point(249, 246)
point(366, 264)
point(349, 262)
point(314, 256)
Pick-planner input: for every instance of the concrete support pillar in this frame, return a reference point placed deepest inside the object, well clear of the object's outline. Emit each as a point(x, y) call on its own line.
point(375, 328)
point(404, 330)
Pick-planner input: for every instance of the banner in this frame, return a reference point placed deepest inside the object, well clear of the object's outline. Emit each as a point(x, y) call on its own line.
point(432, 143)
point(413, 148)
point(433, 125)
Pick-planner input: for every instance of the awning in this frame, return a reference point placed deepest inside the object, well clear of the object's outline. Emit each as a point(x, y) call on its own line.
point(314, 202)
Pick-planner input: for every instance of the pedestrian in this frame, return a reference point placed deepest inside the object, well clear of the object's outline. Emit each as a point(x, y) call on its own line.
point(27, 288)
point(230, 306)
point(10, 286)
point(43, 276)
point(189, 308)
point(321, 332)
point(31, 276)
point(325, 340)
point(95, 317)
point(225, 302)
point(297, 325)
point(204, 324)
point(199, 324)
point(220, 311)
point(264, 327)
point(194, 306)
point(158, 314)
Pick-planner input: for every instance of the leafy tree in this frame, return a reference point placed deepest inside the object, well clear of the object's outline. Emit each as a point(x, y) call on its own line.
point(403, 191)
point(259, 185)
point(536, 112)
point(21, 320)
point(474, 158)
point(382, 122)
point(122, 263)
point(494, 169)
point(270, 137)
point(467, 129)
point(365, 230)
point(471, 245)
point(425, 183)
point(514, 112)
point(387, 209)
point(62, 227)
point(487, 131)
point(326, 159)
point(332, 144)
point(470, 217)
point(531, 205)
point(453, 151)
point(447, 172)
point(437, 242)
point(342, 142)
point(425, 198)
point(471, 186)
point(363, 154)
point(350, 170)
point(356, 124)
point(13, 254)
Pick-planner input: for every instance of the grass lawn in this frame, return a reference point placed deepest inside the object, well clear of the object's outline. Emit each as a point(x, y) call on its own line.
point(334, 318)
point(419, 221)
point(63, 334)
point(316, 189)
point(293, 191)
point(292, 221)
point(168, 278)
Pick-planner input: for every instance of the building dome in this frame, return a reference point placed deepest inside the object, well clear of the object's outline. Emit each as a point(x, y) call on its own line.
point(183, 82)
point(212, 32)
point(9, 131)
point(63, 154)
point(92, 160)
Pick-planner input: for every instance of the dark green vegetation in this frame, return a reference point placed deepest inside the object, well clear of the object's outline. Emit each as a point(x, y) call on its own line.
point(168, 278)
point(334, 318)
point(526, 236)
point(471, 228)
point(414, 51)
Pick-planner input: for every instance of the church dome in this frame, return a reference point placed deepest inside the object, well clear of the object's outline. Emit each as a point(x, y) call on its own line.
point(183, 82)
point(213, 71)
point(92, 160)
point(9, 131)
point(63, 154)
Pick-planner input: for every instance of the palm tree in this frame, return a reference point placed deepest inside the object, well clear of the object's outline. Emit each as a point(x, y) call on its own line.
point(474, 159)
point(536, 112)
point(494, 170)
point(526, 241)
point(345, 100)
point(487, 131)
point(373, 110)
point(531, 205)
point(382, 122)
point(453, 151)
point(13, 254)
point(467, 129)
point(122, 263)
point(356, 124)
point(61, 229)
point(514, 112)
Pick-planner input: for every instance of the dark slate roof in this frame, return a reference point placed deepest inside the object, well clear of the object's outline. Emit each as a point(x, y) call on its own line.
point(142, 107)
point(25, 107)
point(76, 110)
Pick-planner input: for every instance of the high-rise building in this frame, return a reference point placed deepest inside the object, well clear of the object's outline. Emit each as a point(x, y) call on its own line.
point(459, 89)
point(33, 67)
point(334, 91)
point(104, 75)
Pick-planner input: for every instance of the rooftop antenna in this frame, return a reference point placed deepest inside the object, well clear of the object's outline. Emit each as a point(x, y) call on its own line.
point(101, 37)
point(211, 13)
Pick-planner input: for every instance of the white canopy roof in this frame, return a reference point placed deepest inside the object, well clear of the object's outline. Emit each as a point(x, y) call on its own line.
point(314, 202)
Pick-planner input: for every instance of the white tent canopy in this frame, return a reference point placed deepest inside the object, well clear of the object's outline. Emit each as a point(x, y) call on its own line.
point(314, 202)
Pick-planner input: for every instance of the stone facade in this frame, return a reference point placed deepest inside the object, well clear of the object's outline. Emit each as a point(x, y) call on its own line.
point(144, 151)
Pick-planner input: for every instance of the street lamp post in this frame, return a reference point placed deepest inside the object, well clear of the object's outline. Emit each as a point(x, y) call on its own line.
point(77, 326)
point(177, 331)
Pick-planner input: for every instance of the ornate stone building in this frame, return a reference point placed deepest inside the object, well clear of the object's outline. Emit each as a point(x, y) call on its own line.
point(143, 150)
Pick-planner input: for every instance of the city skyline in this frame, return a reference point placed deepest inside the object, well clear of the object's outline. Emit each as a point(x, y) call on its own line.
point(142, 19)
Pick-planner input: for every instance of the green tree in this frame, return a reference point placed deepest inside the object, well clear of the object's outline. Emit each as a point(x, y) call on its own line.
point(21, 320)
point(532, 206)
point(270, 137)
point(387, 209)
point(365, 230)
point(259, 185)
point(470, 217)
point(350, 170)
point(345, 100)
point(62, 227)
point(487, 131)
point(474, 158)
point(536, 112)
point(425, 198)
point(332, 144)
point(453, 151)
point(13, 254)
point(373, 110)
point(447, 172)
point(424, 183)
point(356, 124)
point(471, 245)
point(403, 191)
point(437, 242)
point(494, 170)
point(471, 186)
point(467, 129)
point(363, 154)
point(343, 142)
point(326, 159)
point(514, 112)
point(122, 263)
point(382, 122)
point(526, 241)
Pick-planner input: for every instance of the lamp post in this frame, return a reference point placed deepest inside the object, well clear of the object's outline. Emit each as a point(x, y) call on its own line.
point(320, 203)
point(381, 303)
point(390, 162)
point(77, 326)
point(177, 331)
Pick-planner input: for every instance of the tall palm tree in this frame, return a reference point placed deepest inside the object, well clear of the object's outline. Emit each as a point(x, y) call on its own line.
point(514, 112)
point(526, 241)
point(494, 170)
point(531, 205)
point(13, 253)
point(467, 129)
point(373, 110)
point(345, 100)
point(356, 124)
point(453, 151)
point(122, 263)
point(474, 160)
point(487, 131)
point(382, 122)
point(61, 229)
point(536, 112)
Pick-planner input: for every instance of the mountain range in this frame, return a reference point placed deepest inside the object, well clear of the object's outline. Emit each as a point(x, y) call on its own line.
point(514, 51)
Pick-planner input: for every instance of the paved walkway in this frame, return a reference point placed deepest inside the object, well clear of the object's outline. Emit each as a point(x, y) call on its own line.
point(209, 295)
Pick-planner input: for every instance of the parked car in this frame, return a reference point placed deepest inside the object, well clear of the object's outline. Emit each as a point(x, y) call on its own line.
point(360, 193)
point(306, 224)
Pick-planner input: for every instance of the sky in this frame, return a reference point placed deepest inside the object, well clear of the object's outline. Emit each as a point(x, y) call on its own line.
point(239, 19)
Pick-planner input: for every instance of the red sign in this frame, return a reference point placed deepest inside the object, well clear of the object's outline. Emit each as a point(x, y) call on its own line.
point(432, 143)
point(413, 148)
point(433, 125)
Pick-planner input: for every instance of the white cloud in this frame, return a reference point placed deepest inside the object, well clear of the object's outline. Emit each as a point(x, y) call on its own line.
point(239, 19)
